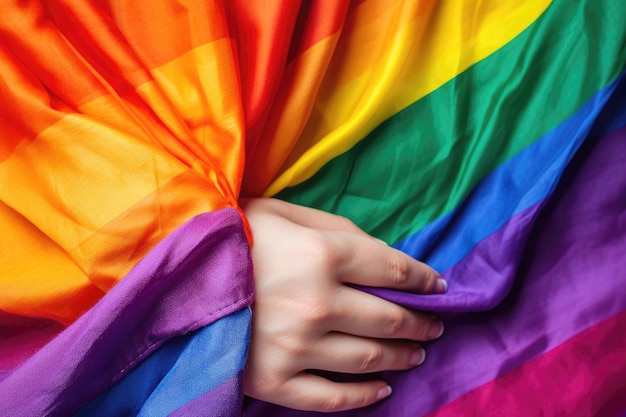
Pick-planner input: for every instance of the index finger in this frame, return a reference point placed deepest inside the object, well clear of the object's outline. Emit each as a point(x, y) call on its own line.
point(364, 261)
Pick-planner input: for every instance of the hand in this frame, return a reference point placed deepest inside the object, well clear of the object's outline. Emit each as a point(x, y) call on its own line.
point(305, 317)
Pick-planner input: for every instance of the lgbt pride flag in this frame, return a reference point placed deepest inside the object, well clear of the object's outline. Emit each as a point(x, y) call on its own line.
point(487, 139)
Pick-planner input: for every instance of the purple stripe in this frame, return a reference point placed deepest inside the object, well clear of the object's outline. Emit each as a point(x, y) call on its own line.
point(571, 276)
point(195, 276)
point(222, 401)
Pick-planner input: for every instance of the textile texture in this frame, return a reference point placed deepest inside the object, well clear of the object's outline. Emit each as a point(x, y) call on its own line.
point(487, 139)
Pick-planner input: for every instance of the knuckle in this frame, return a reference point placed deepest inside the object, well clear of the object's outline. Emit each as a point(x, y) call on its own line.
point(336, 402)
point(372, 359)
point(322, 252)
point(363, 399)
point(292, 346)
point(297, 350)
point(347, 223)
point(317, 314)
point(399, 269)
point(396, 321)
point(317, 310)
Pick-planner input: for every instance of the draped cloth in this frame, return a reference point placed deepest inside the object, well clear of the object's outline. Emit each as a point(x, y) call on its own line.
point(487, 139)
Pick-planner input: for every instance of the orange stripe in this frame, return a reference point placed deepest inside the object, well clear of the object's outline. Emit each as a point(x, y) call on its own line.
point(36, 49)
point(25, 105)
point(197, 98)
point(113, 251)
point(71, 186)
point(32, 38)
point(40, 279)
point(162, 31)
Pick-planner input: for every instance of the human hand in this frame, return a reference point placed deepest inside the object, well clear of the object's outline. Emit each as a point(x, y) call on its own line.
point(306, 317)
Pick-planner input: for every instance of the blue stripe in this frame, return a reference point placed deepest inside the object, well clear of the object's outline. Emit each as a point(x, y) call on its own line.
point(613, 116)
point(179, 372)
point(523, 181)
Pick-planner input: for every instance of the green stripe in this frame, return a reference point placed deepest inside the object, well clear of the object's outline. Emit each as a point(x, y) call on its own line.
point(422, 162)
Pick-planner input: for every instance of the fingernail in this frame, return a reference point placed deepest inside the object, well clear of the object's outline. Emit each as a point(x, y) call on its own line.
point(436, 329)
point(441, 286)
point(418, 357)
point(383, 393)
point(382, 241)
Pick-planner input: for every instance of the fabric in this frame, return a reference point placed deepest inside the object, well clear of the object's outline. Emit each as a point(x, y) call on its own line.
point(487, 139)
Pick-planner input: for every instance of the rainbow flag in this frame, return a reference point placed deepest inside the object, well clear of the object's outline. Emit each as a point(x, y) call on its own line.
point(487, 139)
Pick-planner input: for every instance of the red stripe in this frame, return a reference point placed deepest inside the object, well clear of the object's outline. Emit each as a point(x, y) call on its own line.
point(21, 337)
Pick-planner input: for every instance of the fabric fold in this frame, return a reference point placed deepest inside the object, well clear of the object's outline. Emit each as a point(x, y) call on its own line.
point(195, 276)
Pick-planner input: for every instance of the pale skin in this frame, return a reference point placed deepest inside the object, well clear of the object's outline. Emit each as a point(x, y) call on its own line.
point(306, 317)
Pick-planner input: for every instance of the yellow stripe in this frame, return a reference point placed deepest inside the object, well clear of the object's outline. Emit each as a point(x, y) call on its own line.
point(424, 52)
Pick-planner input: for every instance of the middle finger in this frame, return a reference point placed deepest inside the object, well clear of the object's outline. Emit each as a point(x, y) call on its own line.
point(361, 314)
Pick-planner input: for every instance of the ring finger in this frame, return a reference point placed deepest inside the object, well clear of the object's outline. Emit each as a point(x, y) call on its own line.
point(361, 314)
point(339, 352)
